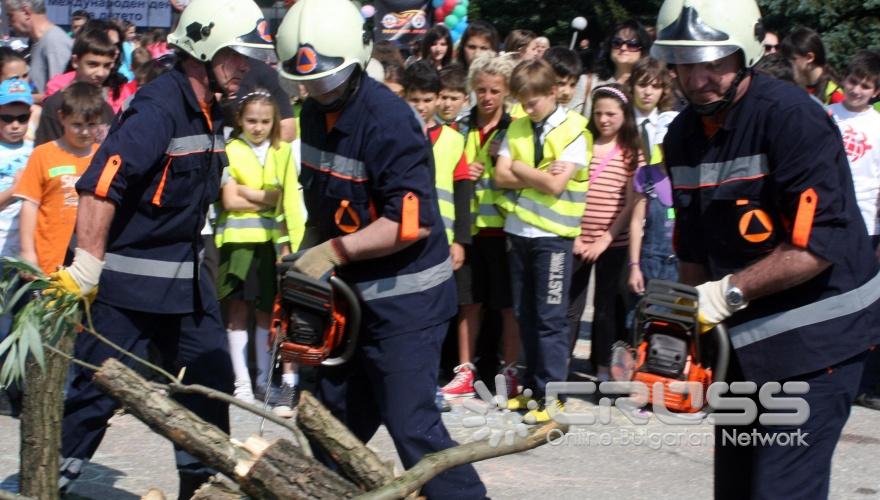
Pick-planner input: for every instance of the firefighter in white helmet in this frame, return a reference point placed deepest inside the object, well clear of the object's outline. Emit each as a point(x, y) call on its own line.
point(374, 219)
point(142, 204)
point(768, 226)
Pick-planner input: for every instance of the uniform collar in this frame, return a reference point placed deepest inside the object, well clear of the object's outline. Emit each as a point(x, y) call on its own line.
point(556, 118)
point(694, 124)
point(182, 80)
point(352, 114)
point(652, 117)
point(503, 122)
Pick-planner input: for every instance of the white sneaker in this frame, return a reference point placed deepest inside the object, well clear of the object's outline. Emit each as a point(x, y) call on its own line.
point(244, 393)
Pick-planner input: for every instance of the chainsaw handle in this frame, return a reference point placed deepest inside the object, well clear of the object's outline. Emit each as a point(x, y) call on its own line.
point(353, 322)
point(722, 360)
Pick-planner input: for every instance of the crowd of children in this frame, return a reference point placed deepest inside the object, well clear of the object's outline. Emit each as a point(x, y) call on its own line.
point(549, 175)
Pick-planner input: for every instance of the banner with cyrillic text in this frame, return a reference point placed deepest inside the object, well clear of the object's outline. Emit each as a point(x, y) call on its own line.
point(141, 13)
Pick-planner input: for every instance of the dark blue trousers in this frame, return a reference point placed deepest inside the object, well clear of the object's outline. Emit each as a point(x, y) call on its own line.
point(540, 278)
point(792, 472)
point(392, 381)
point(196, 341)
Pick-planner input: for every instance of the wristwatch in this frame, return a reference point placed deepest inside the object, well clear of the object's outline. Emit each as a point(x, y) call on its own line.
point(734, 297)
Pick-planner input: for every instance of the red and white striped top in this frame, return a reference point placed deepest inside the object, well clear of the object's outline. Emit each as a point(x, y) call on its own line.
point(606, 199)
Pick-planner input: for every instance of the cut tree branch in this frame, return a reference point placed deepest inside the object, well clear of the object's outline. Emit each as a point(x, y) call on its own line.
point(262, 470)
point(256, 410)
point(357, 462)
point(434, 463)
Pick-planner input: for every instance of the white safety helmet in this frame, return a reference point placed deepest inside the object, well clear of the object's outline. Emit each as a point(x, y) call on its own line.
point(697, 31)
point(206, 26)
point(321, 42)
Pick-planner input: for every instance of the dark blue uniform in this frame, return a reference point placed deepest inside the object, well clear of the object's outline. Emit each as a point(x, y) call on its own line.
point(160, 165)
point(776, 172)
point(358, 165)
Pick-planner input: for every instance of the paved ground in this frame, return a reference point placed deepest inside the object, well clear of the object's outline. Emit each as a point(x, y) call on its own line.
point(617, 460)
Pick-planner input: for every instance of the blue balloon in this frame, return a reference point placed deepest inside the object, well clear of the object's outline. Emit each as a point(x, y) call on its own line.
point(437, 3)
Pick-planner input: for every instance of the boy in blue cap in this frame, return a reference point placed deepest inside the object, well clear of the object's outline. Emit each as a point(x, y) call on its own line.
point(15, 111)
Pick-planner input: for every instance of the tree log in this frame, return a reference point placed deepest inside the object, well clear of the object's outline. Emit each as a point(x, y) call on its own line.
point(219, 488)
point(214, 447)
point(282, 467)
point(356, 461)
point(434, 463)
point(41, 415)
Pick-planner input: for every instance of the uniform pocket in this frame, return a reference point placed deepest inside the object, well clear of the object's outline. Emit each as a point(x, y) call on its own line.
point(178, 183)
point(746, 222)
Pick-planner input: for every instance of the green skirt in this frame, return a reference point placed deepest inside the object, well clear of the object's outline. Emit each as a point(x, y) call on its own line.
point(247, 272)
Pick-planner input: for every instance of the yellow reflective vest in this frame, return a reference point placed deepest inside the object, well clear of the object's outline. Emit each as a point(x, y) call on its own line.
point(291, 212)
point(486, 214)
point(247, 227)
point(448, 149)
point(560, 215)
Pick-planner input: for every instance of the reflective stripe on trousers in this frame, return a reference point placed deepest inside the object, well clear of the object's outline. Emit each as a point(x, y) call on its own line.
point(405, 284)
point(826, 309)
point(148, 267)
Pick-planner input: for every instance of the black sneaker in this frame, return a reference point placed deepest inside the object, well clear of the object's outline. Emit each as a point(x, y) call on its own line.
point(440, 401)
point(868, 400)
point(287, 401)
point(8, 407)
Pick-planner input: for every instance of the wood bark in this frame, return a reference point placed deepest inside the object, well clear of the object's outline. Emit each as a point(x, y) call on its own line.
point(41, 415)
point(219, 488)
point(357, 462)
point(250, 464)
point(434, 463)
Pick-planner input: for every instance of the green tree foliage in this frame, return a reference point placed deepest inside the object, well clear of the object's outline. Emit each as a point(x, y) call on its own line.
point(846, 25)
point(553, 18)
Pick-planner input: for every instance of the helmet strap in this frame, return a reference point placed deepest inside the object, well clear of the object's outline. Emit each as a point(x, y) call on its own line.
point(213, 84)
point(725, 101)
point(351, 86)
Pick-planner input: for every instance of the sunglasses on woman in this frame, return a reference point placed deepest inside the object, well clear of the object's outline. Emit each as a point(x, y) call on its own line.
point(23, 118)
point(631, 45)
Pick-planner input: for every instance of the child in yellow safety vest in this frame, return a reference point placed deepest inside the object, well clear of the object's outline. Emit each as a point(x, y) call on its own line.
point(451, 178)
point(247, 232)
point(484, 279)
point(542, 165)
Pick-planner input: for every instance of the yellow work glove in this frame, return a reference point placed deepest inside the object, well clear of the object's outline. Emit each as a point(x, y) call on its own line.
point(79, 279)
point(317, 262)
point(713, 307)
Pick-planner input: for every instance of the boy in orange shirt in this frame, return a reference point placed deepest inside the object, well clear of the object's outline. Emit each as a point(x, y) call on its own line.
point(47, 186)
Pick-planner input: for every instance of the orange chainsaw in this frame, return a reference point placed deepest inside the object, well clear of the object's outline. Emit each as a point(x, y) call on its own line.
point(314, 321)
point(668, 348)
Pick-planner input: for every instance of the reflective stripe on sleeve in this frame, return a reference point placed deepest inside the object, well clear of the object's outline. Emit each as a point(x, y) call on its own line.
point(148, 267)
point(338, 165)
point(191, 144)
point(405, 284)
point(826, 309)
point(714, 174)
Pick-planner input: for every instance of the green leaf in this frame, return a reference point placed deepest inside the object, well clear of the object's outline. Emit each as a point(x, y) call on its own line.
point(8, 341)
point(24, 289)
point(6, 373)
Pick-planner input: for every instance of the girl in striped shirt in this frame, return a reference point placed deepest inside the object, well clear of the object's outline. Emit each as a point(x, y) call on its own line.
point(617, 153)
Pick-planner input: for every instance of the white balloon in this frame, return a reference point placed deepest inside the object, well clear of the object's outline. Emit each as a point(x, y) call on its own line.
point(579, 23)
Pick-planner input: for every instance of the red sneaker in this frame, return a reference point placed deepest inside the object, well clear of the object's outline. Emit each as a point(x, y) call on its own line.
point(462, 386)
